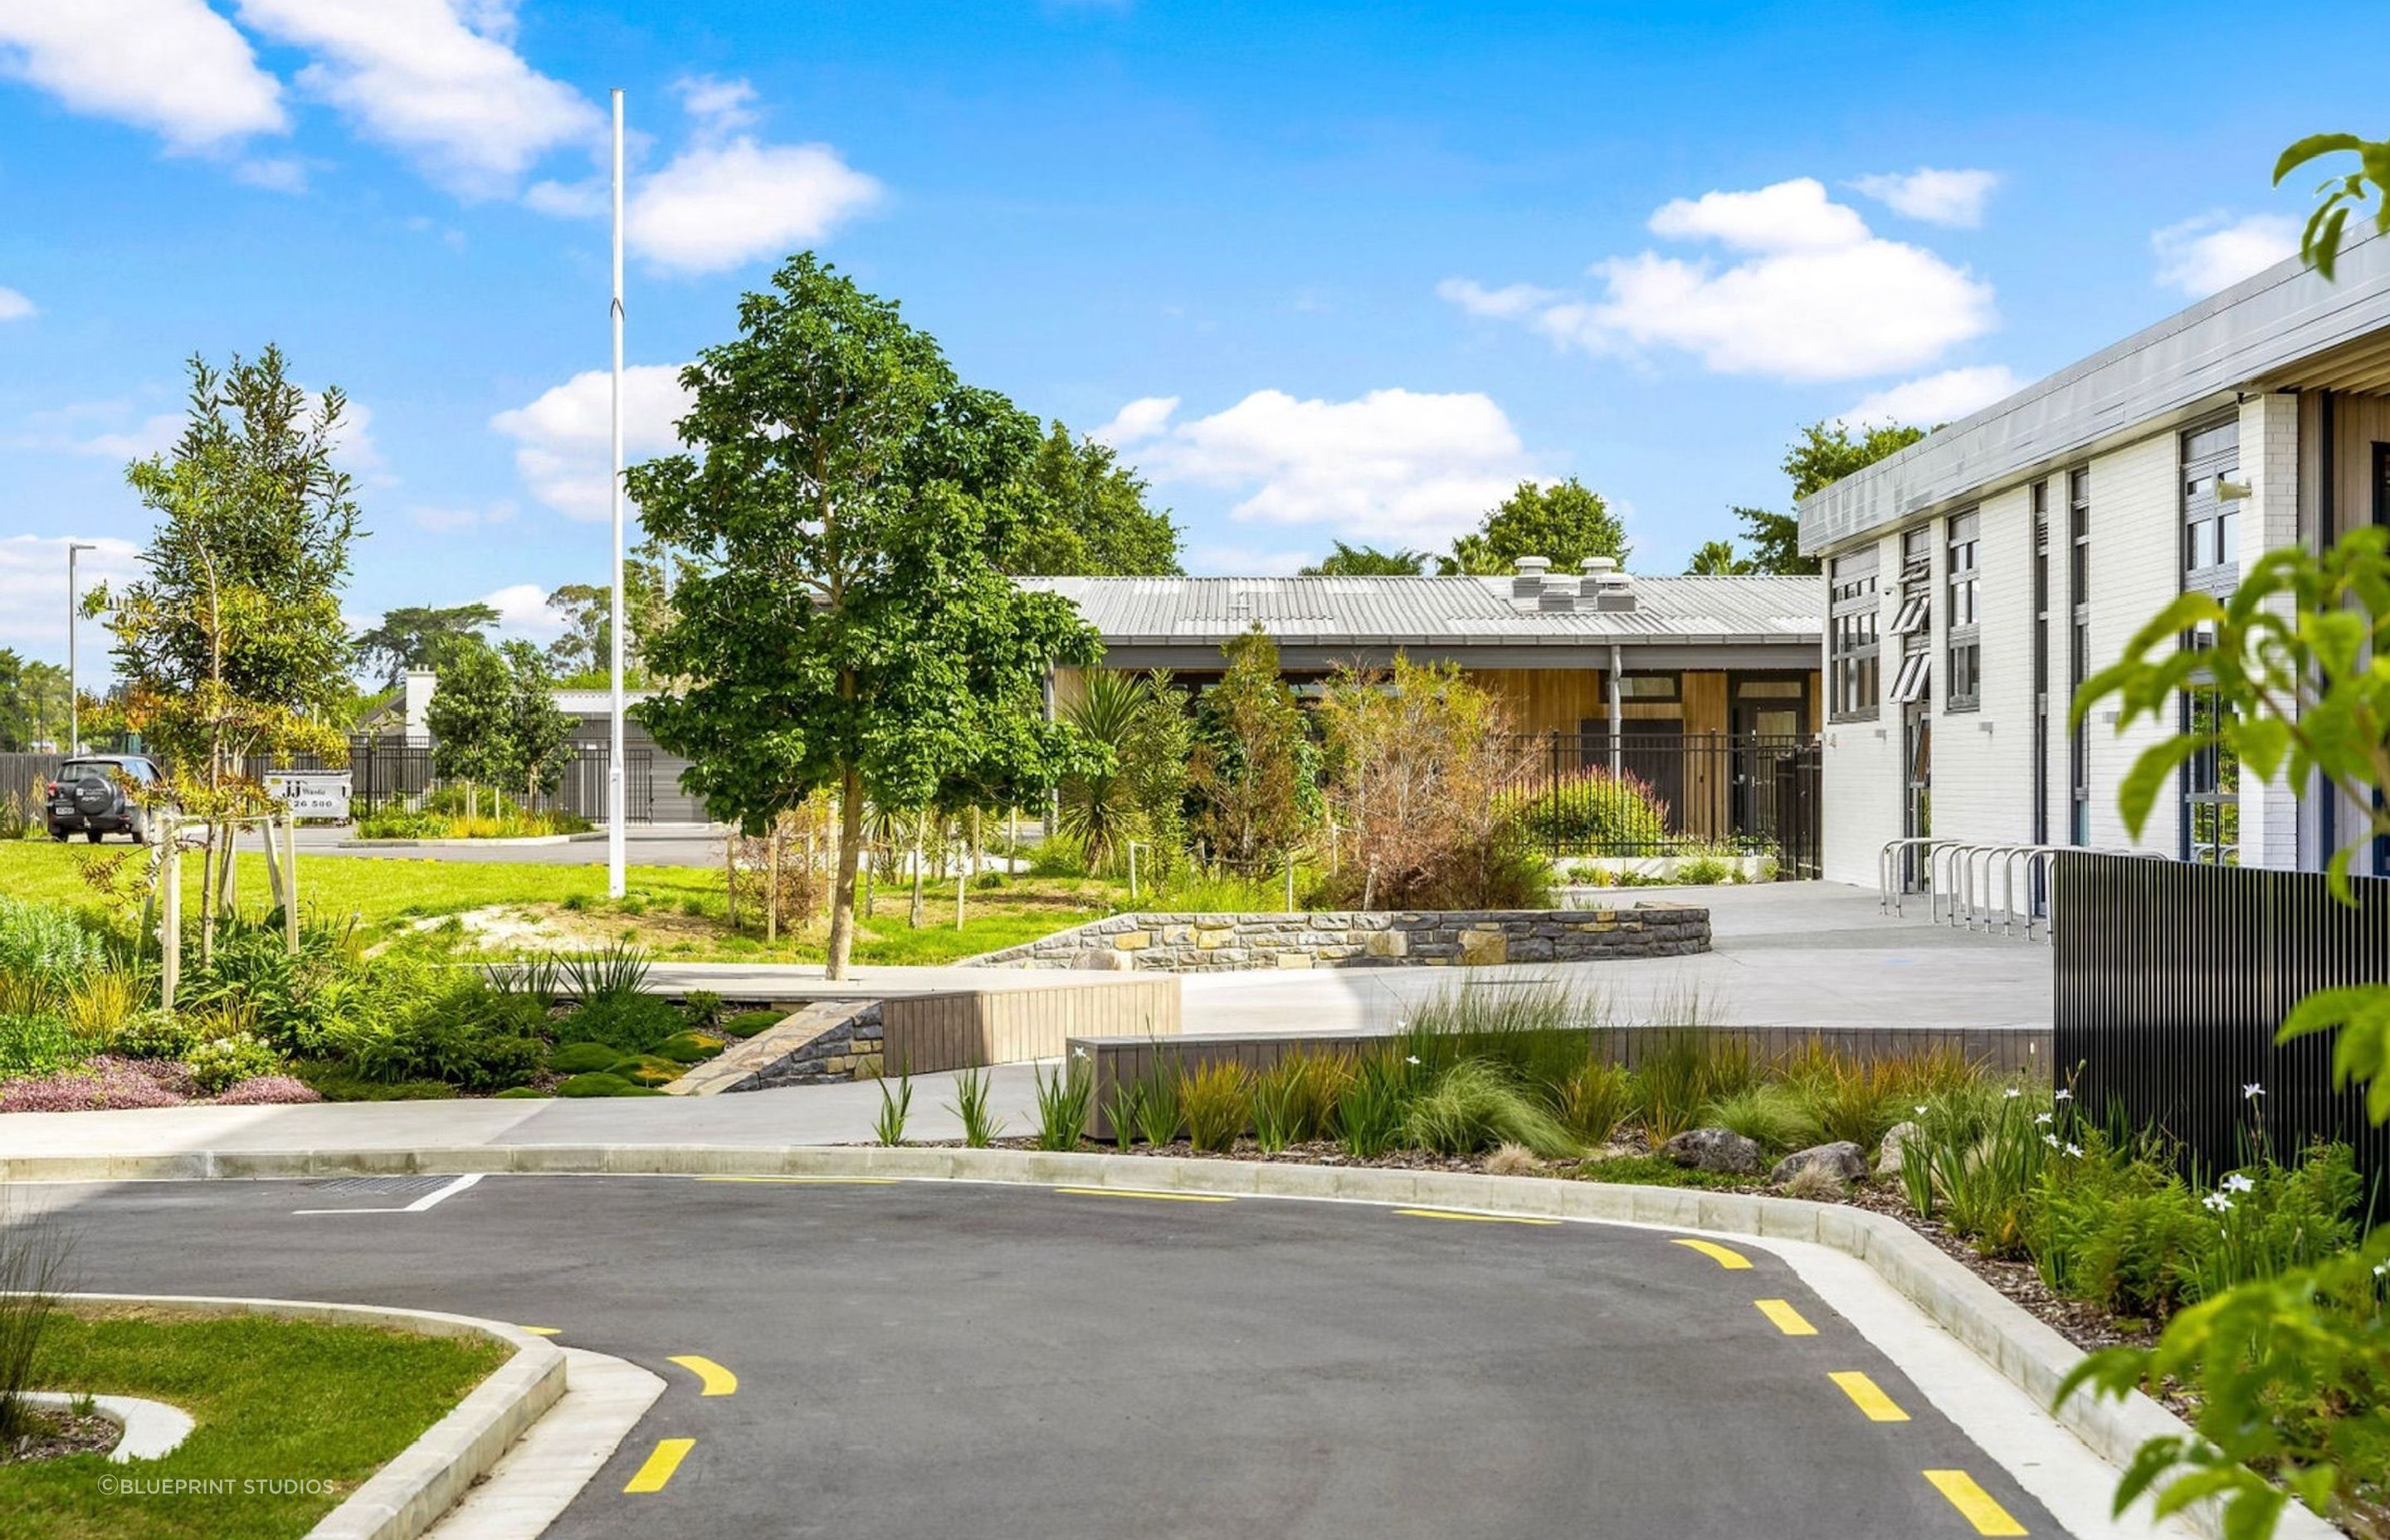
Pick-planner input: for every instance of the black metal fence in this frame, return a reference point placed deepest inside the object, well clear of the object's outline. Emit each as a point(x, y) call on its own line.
point(385, 771)
point(1671, 794)
point(2171, 978)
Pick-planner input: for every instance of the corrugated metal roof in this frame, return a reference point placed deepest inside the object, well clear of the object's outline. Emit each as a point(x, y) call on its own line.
point(1393, 609)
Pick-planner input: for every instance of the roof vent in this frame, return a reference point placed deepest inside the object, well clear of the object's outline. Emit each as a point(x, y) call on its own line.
point(1528, 585)
point(1606, 587)
point(1559, 593)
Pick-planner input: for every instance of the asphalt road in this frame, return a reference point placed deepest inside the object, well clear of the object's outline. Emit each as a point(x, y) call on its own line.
point(932, 1359)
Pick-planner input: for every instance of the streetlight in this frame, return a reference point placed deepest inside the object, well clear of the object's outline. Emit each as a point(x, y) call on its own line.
point(616, 803)
point(75, 608)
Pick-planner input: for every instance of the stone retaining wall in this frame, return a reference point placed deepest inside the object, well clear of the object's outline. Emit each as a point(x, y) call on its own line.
point(1467, 938)
point(828, 1040)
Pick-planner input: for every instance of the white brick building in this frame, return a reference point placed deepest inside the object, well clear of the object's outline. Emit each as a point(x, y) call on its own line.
point(1975, 577)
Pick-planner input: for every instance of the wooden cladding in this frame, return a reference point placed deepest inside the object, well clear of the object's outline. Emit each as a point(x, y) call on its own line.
point(927, 1034)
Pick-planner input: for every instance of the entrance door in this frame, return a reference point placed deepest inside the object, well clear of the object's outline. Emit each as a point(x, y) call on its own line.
point(1917, 802)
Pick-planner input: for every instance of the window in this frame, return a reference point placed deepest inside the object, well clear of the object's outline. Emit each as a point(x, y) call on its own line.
point(1853, 645)
point(2211, 780)
point(2078, 651)
point(1962, 680)
point(1913, 685)
point(2040, 504)
point(1647, 686)
point(2211, 508)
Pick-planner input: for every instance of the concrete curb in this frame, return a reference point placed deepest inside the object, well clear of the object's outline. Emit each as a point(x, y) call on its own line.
point(508, 842)
point(2027, 1353)
point(145, 1429)
point(407, 1496)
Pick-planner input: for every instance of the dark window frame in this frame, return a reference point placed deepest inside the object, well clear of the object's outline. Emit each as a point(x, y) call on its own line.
point(1854, 648)
point(2078, 584)
point(1962, 679)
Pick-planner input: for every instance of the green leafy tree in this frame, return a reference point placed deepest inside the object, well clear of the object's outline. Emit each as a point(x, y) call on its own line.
point(471, 717)
point(1716, 559)
point(1139, 789)
point(1255, 770)
point(32, 703)
point(1825, 451)
point(1566, 521)
point(1774, 542)
point(1089, 517)
point(418, 636)
point(1369, 562)
point(232, 646)
point(842, 621)
point(539, 731)
point(584, 654)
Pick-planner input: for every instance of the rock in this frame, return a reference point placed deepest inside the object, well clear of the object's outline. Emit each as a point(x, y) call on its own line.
point(1719, 1150)
point(1103, 962)
point(1895, 1145)
point(1843, 1160)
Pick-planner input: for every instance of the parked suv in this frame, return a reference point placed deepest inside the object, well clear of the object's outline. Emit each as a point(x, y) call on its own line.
point(89, 798)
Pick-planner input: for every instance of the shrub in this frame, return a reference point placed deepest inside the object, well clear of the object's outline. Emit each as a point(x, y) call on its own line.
point(645, 1069)
point(1593, 1101)
point(895, 1107)
point(1684, 1071)
point(626, 1022)
point(752, 1023)
point(1295, 1099)
point(618, 970)
point(2281, 1218)
point(980, 1126)
point(1217, 1103)
point(153, 1034)
point(515, 1092)
point(700, 1006)
point(99, 1004)
point(338, 1081)
point(1591, 809)
point(581, 1059)
point(1473, 1106)
point(1155, 1103)
point(603, 1085)
point(37, 1045)
point(1982, 1164)
point(47, 941)
point(1370, 1107)
point(469, 1034)
point(268, 1090)
point(689, 1047)
point(219, 1063)
point(1701, 871)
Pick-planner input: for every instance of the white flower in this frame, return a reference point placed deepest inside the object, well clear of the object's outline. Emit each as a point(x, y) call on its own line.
point(2012, 1093)
point(2076, 1151)
point(2050, 1139)
point(2252, 1091)
point(1410, 1058)
point(1920, 1108)
point(2238, 1183)
point(1080, 1052)
point(2041, 1117)
point(2217, 1203)
point(2382, 1270)
point(2061, 1094)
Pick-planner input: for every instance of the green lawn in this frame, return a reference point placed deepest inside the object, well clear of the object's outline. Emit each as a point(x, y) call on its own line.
point(674, 912)
point(276, 1401)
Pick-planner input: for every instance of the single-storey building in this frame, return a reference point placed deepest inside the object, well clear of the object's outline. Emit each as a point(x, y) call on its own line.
point(1975, 578)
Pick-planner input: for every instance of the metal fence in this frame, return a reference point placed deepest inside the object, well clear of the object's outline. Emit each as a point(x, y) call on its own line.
point(2171, 978)
point(386, 771)
point(1673, 793)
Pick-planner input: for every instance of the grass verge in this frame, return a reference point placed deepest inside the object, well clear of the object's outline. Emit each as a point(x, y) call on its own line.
point(277, 1402)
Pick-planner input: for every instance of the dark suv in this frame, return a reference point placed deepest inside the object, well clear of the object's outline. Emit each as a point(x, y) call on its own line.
point(89, 798)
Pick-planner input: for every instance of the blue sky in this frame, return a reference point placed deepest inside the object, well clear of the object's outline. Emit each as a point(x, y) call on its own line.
point(1322, 271)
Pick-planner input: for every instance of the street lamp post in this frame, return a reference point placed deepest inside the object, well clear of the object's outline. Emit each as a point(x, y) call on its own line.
point(616, 801)
point(74, 612)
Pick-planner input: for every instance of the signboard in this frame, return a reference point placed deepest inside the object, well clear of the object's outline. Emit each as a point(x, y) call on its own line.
point(311, 793)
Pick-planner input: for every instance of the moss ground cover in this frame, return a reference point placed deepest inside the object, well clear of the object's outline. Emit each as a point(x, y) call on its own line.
point(276, 1402)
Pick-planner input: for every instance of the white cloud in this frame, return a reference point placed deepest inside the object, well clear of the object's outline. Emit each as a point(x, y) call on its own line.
point(1816, 295)
point(1393, 465)
point(720, 105)
point(1788, 216)
point(282, 173)
point(13, 305)
point(435, 80)
point(353, 442)
point(1507, 302)
point(153, 435)
point(1954, 197)
point(1246, 561)
point(457, 519)
point(1139, 420)
point(174, 67)
point(2200, 256)
point(523, 614)
point(34, 594)
point(717, 206)
point(560, 439)
point(1938, 398)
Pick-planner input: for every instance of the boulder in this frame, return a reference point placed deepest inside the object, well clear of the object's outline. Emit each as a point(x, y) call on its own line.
point(1104, 962)
point(1719, 1150)
point(1843, 1160)
point(1895, 1146)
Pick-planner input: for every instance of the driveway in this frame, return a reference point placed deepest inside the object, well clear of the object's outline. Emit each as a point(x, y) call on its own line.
point(921, 1359)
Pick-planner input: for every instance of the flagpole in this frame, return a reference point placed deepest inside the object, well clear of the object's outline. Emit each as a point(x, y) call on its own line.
point(616, 880)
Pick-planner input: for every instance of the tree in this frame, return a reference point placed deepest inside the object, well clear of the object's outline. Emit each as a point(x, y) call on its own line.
point(1825, 451)
point(32, 702)
point(1716, 559)
point(584, 653)
point(1139, 790)
point(1775, 540)
point(539, 731)
point(1089, 517)
point(232, 645)
point(1369, 562)
point(1254, 769)
point(842, 622)
point(471, 718)
point(1567, 522)
point(418, 636)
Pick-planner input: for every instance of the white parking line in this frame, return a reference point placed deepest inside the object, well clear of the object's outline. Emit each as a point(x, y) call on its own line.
point(437, 1195)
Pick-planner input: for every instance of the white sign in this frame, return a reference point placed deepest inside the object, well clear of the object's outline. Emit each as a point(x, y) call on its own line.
point(311, 793)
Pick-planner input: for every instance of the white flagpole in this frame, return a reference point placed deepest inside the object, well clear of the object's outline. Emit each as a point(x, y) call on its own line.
point(616, 809)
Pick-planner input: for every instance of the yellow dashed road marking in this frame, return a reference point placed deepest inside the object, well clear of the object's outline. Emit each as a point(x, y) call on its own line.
point(1867, 1396)
point(1724, 1256)
point(714, 1379)
point(1480, 1218)
point(1974, 1503)
point(542, 1330)
point(1788, 1320)
point(814, 1181)
point(659, 1467)
point(1157, 1197)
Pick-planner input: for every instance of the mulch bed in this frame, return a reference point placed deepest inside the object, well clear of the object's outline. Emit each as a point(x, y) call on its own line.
point(57, 1433)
